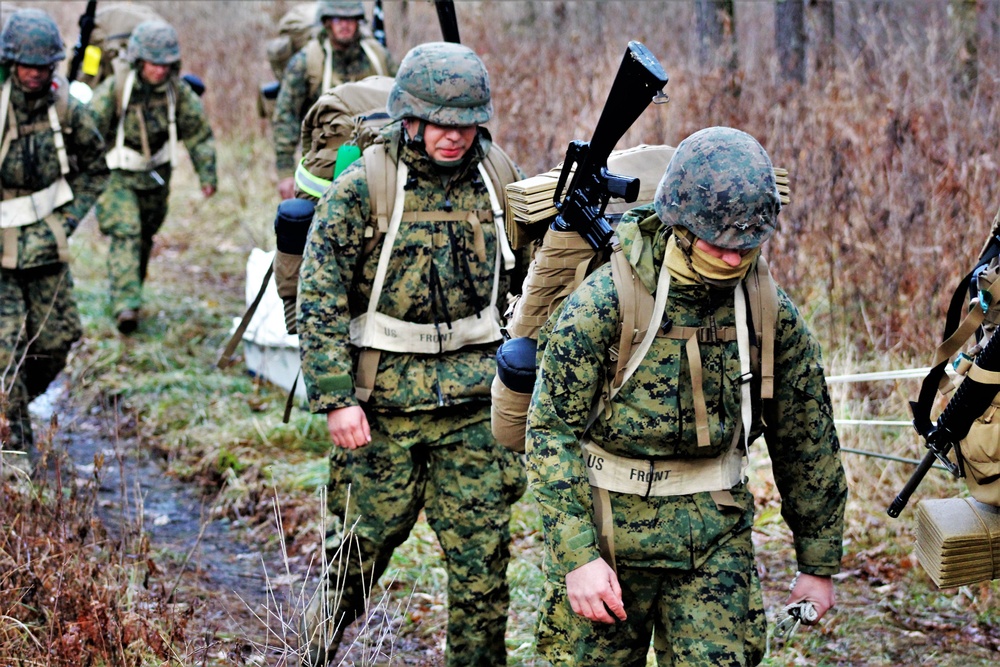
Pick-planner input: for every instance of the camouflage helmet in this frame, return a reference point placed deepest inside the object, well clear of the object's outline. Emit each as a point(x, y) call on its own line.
point(339, 10)
point(155, 42)
point(31, 37)
point(442, 83)
point(720, 185)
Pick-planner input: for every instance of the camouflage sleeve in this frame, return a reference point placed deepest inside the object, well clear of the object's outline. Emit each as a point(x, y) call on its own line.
point(571, 372)
point(86, 146)
point(335, 241)
point(102, 108)
point(804, 448)
point(289, 109)
point(193, 128)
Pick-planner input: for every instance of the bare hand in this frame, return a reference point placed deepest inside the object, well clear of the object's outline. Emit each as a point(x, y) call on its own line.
point(593, 590)
point(348, 427)
point(286, 187)
point(208, 190)
point(815, 589)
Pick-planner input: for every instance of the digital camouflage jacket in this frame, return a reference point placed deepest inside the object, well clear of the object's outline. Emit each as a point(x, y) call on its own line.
point(434, 275)
point(653, 418)
point(192, 126)
point(32, 164)
point(297, 96)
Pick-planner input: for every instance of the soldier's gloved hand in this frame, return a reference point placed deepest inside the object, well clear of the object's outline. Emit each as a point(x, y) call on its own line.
point(593, 591)
point(815, 589)
point(348, 427)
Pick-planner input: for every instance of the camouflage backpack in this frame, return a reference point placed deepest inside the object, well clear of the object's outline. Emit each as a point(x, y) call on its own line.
point(113, 26)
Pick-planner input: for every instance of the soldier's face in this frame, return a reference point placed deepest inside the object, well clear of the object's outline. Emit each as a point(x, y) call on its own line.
point(154, 74)
point(448, 143)
point(33, 78)
point(342, 31)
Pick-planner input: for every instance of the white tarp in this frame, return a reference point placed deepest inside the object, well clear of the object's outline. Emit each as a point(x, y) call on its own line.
point(270, 352)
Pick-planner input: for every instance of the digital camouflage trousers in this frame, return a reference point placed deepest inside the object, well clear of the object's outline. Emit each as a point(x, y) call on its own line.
point(466, 483)
point(709, 616)
point(130, 218)
point(39, 323)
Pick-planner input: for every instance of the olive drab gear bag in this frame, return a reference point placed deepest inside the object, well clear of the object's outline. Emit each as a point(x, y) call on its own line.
point(295, 28)
point(113, 26)
point(344, 121)
point(978, 293)
point(558, 267)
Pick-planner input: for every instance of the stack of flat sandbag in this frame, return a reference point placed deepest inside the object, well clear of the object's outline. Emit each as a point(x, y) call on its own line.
point(958, 541)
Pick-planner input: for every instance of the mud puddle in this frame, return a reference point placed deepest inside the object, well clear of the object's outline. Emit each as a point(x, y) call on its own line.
point(234, 587)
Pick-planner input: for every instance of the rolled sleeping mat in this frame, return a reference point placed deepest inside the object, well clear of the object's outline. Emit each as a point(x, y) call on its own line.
point(291, 230)
point(511, 391)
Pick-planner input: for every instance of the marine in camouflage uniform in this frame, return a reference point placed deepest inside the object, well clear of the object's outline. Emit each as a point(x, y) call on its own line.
point(38, 316)
point(350, 58)
point(134, 206)
point(422, 440)
point(685, 570)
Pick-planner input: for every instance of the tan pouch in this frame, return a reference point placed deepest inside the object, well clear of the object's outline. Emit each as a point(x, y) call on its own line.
point(286, 279)
point(981, 453)
point(508, 415)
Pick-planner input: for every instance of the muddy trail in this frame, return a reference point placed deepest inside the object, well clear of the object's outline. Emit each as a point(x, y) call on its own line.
point(233, 586)
point(246, 600)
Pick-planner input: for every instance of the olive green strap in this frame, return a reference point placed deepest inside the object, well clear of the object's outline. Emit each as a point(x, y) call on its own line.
point(226, 358)
point(604, 519)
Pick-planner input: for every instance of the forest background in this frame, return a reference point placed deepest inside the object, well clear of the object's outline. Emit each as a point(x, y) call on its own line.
point(887, 116)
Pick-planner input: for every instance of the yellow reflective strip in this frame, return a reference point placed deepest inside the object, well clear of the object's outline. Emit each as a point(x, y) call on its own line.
point(310, 183)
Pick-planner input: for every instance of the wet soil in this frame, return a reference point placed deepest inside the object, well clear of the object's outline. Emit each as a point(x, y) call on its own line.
point(230, 583)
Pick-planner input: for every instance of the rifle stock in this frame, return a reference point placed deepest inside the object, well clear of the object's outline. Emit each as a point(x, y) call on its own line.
point(448, 20)
point(86, 24)
point(639, 80)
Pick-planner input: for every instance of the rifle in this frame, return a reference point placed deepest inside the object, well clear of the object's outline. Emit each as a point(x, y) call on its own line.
point(448, 20)
point(378, 23)
point(639, 81)
point(86, 24)
point(971, 399)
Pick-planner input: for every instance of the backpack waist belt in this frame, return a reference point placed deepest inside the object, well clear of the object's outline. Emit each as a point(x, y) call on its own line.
point(128, 159)
point(382, 332)
point(29, 209)
point(678, 477)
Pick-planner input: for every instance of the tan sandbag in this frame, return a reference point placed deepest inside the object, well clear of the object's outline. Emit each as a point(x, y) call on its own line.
point(286, 280)
point(508, 415)
point(958, 541)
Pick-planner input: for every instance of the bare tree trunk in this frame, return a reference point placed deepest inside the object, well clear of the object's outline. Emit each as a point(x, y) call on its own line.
point(404, 19)
point(963, 16)
point(790, 40)
point(823, 23)
point(716, 26)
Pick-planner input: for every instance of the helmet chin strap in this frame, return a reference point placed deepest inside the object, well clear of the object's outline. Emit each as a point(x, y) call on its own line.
point(417, 140)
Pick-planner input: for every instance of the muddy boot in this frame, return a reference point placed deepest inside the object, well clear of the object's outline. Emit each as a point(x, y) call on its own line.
point(127, 321)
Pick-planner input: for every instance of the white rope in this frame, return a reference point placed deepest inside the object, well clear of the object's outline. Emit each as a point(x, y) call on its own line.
point(871, 422)
point(905, 374)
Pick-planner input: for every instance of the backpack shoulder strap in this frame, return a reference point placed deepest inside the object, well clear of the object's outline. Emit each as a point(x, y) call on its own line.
point(315, 63)
point(636, 308)
point(762, 296)
point(376, 55)
point(502, 171)
point(381, 177)
point(121, 70)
